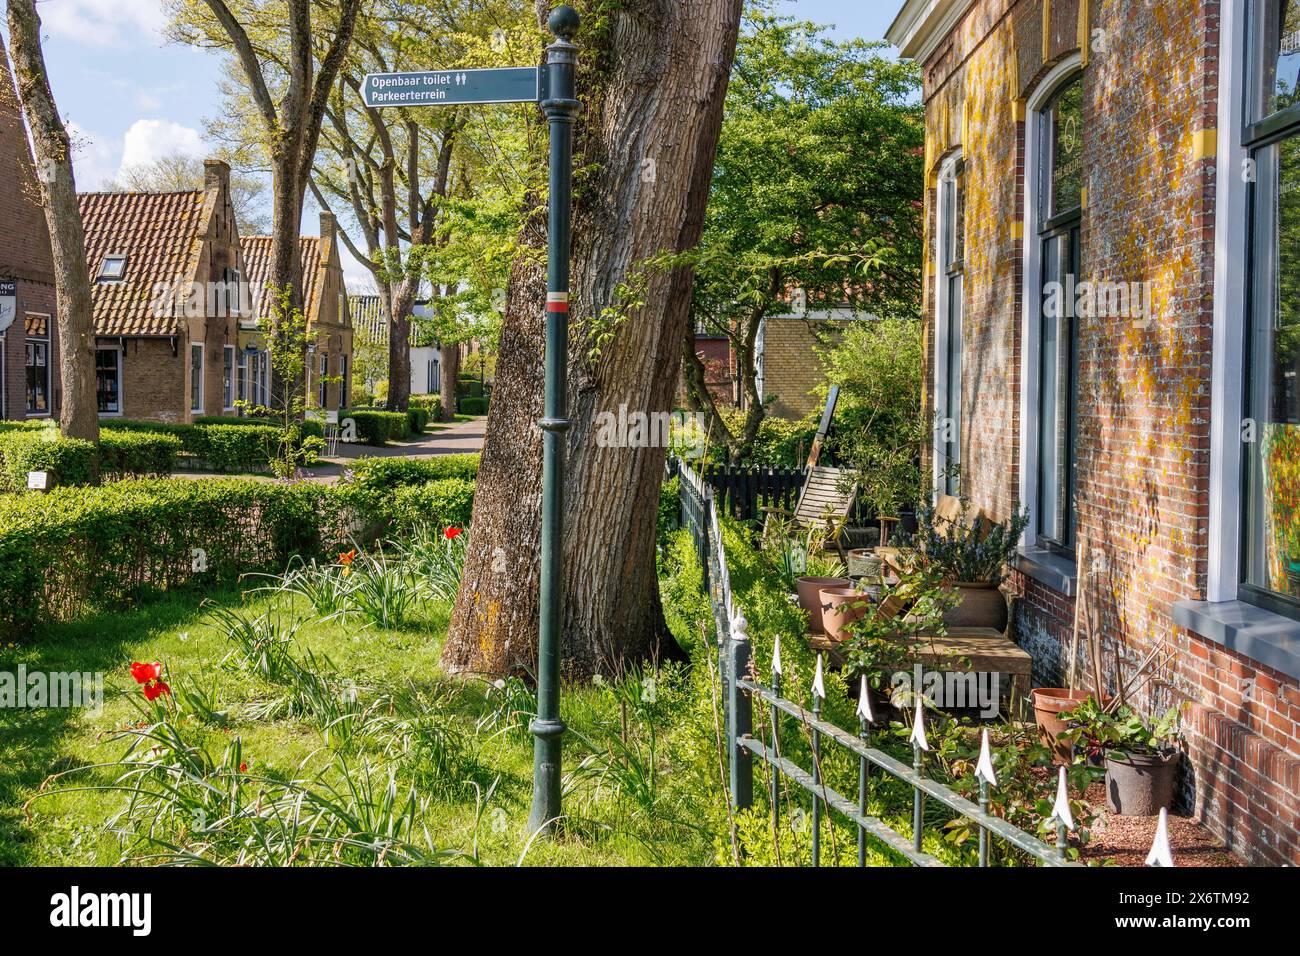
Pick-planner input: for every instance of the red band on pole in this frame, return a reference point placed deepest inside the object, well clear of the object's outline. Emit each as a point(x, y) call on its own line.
point(557, 307)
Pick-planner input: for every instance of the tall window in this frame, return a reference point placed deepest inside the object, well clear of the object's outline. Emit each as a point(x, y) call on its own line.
point(1271, 556)
point(952, 254)
point(344, 371)
point(108, 381)
point(322, 386)
point(196, 378)
point(38, 365)
point(1060, 205)
point(228, 378)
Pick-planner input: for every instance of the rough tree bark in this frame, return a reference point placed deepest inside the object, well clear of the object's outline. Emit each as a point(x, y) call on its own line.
point(649, 133)
point(79, 412)
point(449, 378)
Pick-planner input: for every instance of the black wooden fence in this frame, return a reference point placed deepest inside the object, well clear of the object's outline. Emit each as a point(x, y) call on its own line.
point(744, 491)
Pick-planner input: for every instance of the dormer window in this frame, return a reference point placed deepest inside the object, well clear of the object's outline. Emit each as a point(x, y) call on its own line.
point(112, 269)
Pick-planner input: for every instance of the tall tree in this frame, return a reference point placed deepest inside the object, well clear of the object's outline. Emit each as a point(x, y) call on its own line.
point(79, 413)
point(653, 79)
point(392, 171)
point(816, 198)
point(289, 70)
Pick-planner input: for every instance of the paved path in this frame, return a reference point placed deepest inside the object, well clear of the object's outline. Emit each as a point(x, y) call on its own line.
point(458, 438)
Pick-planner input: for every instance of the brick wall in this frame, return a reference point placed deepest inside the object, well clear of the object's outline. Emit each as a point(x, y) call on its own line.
point(1150, 93)
point(25, 255)
point(792, 369)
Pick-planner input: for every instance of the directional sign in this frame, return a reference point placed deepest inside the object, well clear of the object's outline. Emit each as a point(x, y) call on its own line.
point(450, 87)
point(8, 303)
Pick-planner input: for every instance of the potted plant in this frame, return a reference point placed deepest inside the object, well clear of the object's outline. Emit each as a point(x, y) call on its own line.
point(800, 567)
point(971, 554)
point(1140, 756)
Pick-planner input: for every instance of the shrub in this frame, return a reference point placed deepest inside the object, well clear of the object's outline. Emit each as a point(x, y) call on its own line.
point(386, 473)
point(376, 427)
point(311, 426)
point(430, 403)
point(473, 406)
point(137, 453)
point(76, 549)
point(68, 461)
point(417, 419)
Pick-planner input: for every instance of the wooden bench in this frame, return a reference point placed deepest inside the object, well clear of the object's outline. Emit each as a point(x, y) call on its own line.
point(976, 650)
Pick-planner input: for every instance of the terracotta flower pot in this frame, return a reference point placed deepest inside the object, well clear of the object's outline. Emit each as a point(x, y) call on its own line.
point(1049, 704)
point(981, 605)
point(1140, 785)
point(810, 598)
point(841, 607)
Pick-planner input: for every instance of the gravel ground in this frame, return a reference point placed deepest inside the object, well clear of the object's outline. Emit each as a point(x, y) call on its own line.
point(1127, 840)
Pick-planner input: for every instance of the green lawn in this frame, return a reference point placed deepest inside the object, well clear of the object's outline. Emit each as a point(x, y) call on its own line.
point(615, 815)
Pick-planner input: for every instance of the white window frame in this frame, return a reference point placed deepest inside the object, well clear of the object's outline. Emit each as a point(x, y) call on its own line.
point(121, 400)
point(49, 377)
point(1032, 291)
point(203, 358)
point(939, 458)
point(229, 394)
point(322, 386)
point(1228, 358)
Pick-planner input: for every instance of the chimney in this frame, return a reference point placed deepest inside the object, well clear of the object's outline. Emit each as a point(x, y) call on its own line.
point(216, 175)
point(328, 225)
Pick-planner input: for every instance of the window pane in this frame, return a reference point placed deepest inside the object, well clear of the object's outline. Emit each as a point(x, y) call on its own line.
point(1281, 67)
point(953, 480)
point(1056, 389)
point(1274, 457)
point(106, 381)
point(1066, 157)
point(38, 378)
point(196, 377)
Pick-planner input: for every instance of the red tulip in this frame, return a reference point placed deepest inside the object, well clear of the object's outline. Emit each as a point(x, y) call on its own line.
point(155, 690)
point(243, 768)
point(452, 533)
point(143, 673)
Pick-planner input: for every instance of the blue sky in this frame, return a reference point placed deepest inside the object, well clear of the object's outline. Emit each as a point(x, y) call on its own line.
point(130, 96)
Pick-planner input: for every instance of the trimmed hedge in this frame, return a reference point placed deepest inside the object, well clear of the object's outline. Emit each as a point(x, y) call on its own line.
point(432, 404)
point(68, 461)
point(74, 550)
point(377, 427)
point(384, 474)
point(474, 406)
point(137, 453)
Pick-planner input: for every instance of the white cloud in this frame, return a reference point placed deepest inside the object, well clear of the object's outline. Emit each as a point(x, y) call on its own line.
point(104, 22)
point(149, 139)
point(94, 157)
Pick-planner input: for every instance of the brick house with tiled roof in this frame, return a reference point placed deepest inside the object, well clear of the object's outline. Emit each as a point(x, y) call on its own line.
point(1113, 342)
point(325, 307)
point(166, 292)
point(28, 343)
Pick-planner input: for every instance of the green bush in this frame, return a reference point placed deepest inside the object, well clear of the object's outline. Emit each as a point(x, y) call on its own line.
point(417, 419)
point(473, 406)
point(74, 550)
point(137, 453)
point(67, 461)
point(432, 404)
point(388, 473)
point(375, 426)
point(670, 509)
point(469, 386)
point(311, 426)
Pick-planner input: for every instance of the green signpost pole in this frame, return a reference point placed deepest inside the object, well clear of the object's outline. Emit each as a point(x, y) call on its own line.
point(561, 109)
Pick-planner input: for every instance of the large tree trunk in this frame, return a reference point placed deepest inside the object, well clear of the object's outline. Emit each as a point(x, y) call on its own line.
point(659, 97)
point(449, 379)
point(79, 412)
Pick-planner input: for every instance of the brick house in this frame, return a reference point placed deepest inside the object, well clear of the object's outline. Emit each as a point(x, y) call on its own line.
point(787, 364)
point(29, 379)
point(325, 307)
point(166, 292)
point(1137, 163)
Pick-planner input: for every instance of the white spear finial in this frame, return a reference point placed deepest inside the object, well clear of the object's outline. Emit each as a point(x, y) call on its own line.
point(1161, 853)
point(984, 769)
point(918, 728)
point(776, 656)
point(739, 627)
point(819, 685)
point(1061, 809)
point(864, 702)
